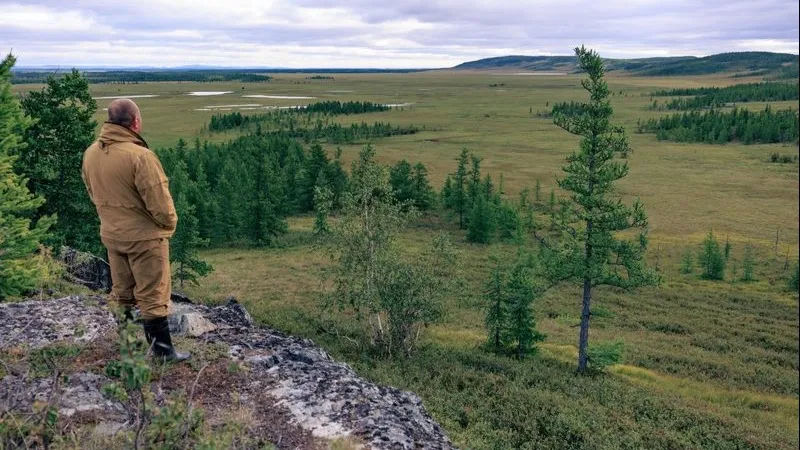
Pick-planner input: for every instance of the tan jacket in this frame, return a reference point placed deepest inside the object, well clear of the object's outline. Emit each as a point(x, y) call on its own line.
point(128, 187)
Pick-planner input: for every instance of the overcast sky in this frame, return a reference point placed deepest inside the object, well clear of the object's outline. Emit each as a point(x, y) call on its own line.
point(381, 33)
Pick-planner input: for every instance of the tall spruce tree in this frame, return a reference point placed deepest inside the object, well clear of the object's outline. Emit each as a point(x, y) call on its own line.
point(482, 221)
point(521, 292)
point(711, 258)
point(20, 236)
point(496, 312)
point(593, 252)
point(186, 264)
point(458, 200)
point(63, 127)
point(424, 197)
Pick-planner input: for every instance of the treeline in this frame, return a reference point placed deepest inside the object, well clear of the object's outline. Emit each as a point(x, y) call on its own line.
point(285, 123)
point(136, 76)
point(719, 127)
point(229, 121)
point(568, 109)
point(336, 108)
point(711, 97)
point(240, 192)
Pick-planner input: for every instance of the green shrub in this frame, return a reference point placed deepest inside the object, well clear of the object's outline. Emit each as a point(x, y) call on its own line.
point(604, 354)
point(711, 259)
point(687, 262)
point(748, 264)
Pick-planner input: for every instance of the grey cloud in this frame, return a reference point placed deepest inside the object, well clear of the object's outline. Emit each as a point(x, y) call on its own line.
point(442, 31)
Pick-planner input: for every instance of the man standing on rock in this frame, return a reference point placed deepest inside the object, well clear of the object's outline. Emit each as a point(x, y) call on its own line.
point(128, 187)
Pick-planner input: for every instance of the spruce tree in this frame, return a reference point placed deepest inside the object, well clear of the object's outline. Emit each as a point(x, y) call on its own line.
point(186, 264)
point(537, 193)
point(20, 237)
point(474, 185)
point(748, 265)
point(458, 194)
point(687, 262)
point(593, 252)
point(424, 197)
point(496, 313)
point(482, 222)
point(400, 179)
point(63, 127)
point(521, 321)
point(711, 259)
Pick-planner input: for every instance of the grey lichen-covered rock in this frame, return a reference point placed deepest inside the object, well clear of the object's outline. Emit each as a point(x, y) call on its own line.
point(325, 397)
point(80, 394)
point(36, 324)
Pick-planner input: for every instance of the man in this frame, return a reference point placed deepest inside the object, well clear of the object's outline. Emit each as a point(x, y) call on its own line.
point(128, 187)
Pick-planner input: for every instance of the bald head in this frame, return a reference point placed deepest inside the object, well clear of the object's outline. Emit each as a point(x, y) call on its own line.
point(124, 112)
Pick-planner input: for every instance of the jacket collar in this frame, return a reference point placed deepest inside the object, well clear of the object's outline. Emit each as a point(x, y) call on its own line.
point(111, 133)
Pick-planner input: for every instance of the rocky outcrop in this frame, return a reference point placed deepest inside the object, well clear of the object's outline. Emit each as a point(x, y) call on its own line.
point(324, 397)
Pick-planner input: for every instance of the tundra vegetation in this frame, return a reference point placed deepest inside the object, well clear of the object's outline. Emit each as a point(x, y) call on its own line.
point(497, 261)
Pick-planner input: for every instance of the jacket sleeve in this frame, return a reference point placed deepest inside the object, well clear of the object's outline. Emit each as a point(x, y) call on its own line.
point(153, 188)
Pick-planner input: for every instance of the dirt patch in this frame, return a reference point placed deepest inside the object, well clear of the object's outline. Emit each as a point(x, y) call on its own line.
point(227, 394)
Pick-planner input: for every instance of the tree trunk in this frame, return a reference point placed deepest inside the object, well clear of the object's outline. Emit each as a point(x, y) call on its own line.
point(584, 337)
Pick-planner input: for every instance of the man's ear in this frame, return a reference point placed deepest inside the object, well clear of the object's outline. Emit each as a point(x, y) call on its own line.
point(136, 126)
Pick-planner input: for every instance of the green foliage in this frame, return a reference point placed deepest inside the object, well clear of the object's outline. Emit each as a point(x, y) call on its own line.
point(521, 321)
point(748, 265)
point(174, 423)
point(454, 193)
point(184, 245)
point(794, 280)
point(496, 313)
point(711, 259)
point(45, 361)
point(323, 202)
point(605, 354)
point(719, 127)
point(229, 121)
point(63, 127)
point(131, 369)
point(687, 262)
point(372, 278)
point(509, 316)
point(310, 127)
point(727, 249)
point(593, 253)
point(20, 235)
point(137, 76)
point(410, 185)
point(778, 158)
point(713, 97)
point(482, 221)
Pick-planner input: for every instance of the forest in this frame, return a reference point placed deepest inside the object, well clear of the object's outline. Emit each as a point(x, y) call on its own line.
point(714, 97)
point(228, 121)
point(141, 76)
point(719, 127)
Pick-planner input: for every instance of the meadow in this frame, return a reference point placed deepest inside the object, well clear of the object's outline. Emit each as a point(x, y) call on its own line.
point(708, 364)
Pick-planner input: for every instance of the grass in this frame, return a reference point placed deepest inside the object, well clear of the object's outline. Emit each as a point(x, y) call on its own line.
point(707, 364)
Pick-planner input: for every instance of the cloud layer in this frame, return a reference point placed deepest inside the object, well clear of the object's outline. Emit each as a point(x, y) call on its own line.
point(377, 33)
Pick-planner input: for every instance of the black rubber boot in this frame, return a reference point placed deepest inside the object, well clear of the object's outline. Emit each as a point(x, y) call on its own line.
point(157, 333)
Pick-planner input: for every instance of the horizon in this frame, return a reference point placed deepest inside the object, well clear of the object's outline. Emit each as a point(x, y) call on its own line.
point(365, 34)
point(195, 66)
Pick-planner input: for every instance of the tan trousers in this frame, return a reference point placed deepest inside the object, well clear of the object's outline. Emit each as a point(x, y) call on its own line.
point(140, 275)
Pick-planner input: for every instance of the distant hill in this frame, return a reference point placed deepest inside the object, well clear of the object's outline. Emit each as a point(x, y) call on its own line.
point(776, 65)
